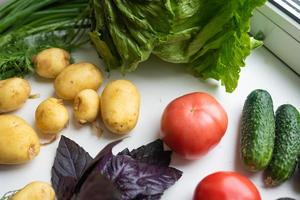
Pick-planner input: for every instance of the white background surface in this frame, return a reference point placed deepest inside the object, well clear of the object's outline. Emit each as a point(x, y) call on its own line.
point(159, 83)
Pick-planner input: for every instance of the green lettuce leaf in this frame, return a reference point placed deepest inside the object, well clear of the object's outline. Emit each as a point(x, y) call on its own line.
point(124, 32)
point(223, 56)
point(211, 37)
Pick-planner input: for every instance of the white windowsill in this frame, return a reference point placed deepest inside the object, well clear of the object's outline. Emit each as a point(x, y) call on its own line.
point(282, 34)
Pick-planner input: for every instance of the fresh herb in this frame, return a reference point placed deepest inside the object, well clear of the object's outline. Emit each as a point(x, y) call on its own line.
point(143, 173)
point(98, 187)
point(138, 180)
point(70, 163)
point(152, 154)
point(29, 26)
point(211, 37)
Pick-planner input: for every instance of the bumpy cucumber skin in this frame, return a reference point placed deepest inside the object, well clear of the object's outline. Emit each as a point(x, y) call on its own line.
point(287, 145)
point(257, 130)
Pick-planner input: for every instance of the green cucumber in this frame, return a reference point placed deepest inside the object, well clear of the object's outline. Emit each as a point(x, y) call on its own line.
point(287, 145)
point(257, 130)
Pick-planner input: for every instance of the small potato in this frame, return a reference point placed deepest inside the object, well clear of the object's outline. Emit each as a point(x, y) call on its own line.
point(36, 190)
point(50, 62)
point(19, 143)
point(120, 105)
point(86, 106)
point(14, 92)
point(77, 77)
point(51, 116)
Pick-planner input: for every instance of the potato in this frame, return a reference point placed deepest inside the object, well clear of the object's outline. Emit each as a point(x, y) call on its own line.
point(120, 105)
point(51, 116)
point(19, 143)
point(14, 92)
point(75, 78)
point(36, 190)
point(50, 62)
point(86, 106)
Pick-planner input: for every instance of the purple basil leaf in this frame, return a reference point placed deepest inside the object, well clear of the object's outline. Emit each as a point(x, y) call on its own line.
point(66, 188)
point(136, 179)
point(98, 187)
point(152, 153)
point(153, 197)
point(70, 162)
point(107, 150)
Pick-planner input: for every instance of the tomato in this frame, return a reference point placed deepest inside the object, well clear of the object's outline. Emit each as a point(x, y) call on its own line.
point(226, 186)
point(192, 124)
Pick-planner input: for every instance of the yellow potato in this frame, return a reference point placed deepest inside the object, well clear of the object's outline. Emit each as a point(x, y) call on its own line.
point(50, 62)
point(19, 143)
point(36, 190)
point(86, 106)
point(77, 77)
point(14, 92)
point(120, 105)
point(51, 116)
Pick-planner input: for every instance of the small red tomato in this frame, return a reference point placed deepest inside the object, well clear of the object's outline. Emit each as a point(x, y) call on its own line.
point(192, 124)
point(226, 186)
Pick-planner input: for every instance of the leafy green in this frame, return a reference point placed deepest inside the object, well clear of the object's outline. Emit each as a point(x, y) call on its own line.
point(125, 32)
point(211, 37)
point(29, 26)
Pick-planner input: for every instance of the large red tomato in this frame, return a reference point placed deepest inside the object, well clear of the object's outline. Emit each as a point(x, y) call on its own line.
point(226, 186)
point(192, 124)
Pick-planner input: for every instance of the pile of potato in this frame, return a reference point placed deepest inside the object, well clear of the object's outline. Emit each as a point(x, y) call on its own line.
point(118, 107)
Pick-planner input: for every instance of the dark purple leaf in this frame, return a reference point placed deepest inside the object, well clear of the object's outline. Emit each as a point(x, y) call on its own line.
point(107, 150)
point(66, 188)
point(70, 162)
point(142, 174)
point(152, 153)
point(98, 187)
point(136, 179)
point(153, 197)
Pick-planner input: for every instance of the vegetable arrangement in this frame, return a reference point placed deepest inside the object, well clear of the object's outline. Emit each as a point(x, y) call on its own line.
point(119, 104)
point(79, 82)
point(268, 142)
point(144, 173)
point(211, 38)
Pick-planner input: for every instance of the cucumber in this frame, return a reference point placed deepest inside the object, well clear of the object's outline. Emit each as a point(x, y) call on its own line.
point(257, 130)
point(287, 145)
